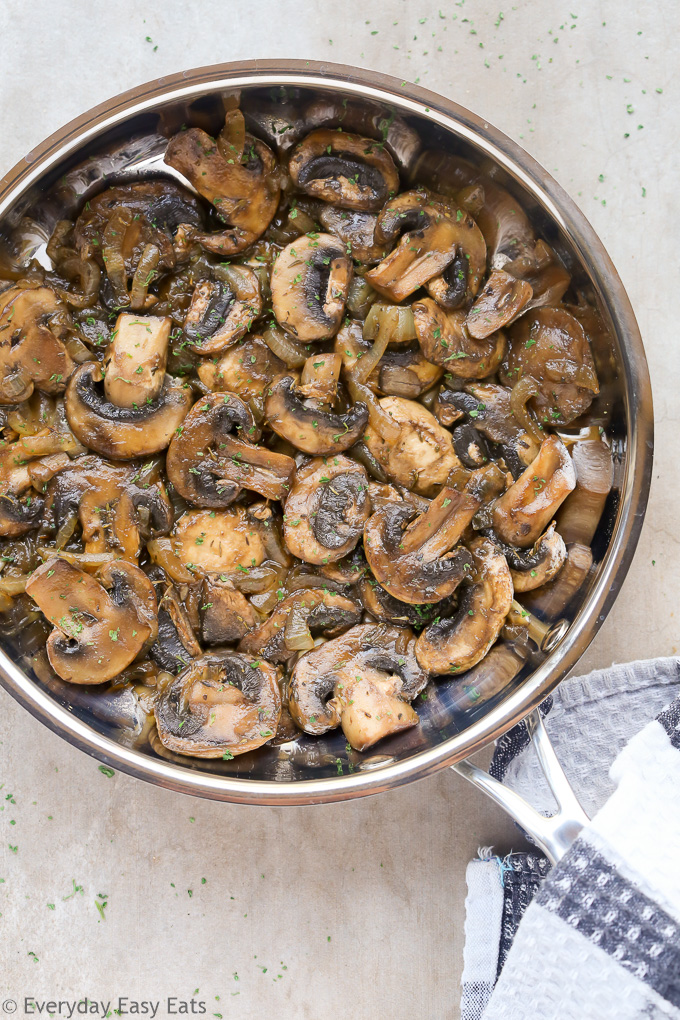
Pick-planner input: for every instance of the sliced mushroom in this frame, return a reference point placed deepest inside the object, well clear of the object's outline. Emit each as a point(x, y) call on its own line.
point(402, 371)
point(220, 706)
point(459, 642)
point(550, 346)
point(308, 428)
point(580, 513)
point(450, 288)
point(100, 623)
point(218, 541)
point(213, 456)
point(19, 515)
point(362, 681)
point(31, 355)
point(530, 568)
point(222, 311)
point(176, 644)
point(244, 192)
point(379, 603)
point(319, 378)
point(123, 433)
point(500, 302)
point(248, 368)
point(344, 169)
point(436, 233)
point(135, 360)
point(415, 556)
point(114, 505)
point(444, 339)
point(309, 283)
point(226, 614)
point(422, 456)
point(356, 231)
point(326, 509)
point(527, 507)
point(295, 621)
point(493, 674)
point(550, 601)
point(487, 407)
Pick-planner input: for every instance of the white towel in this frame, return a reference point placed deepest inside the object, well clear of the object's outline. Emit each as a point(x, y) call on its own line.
point(601, 937)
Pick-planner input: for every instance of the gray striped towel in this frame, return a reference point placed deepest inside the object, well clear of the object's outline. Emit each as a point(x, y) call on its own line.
point(600, 935)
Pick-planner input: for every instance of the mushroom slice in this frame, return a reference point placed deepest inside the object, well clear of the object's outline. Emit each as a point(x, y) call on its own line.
point(226, 614)
point(550, 601)
point(101, 623)
point(219, 541)
point(458, 643)
point(487, 407)
point(362, 680)
point(422, 456)
point(319, 378)
point(295, 621)
point(220, 706)
point(415, 556)
point(123, 433)
point(31, 355)
point(379, 603)
point(450, 289)
point(309, 284)
point(326, 509)
point(500, 302)
point(437, 233)
point(135, 360)
point(176, 644)
point(17, 516)
point(551, 346)
point(111, 502)
point(344, 169)
point(245, 192)
point(530, 568)
point(222, 312)
point(212, 457)
point(526, 508)
point(402, 371)
point(248, 368)
point(356, 231)
point(309, 429)
point(444, 339)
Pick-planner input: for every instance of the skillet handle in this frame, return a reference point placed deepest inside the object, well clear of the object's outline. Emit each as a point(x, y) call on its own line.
point(554, 834)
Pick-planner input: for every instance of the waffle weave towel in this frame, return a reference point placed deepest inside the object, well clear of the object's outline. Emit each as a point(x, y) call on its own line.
point(600, 936)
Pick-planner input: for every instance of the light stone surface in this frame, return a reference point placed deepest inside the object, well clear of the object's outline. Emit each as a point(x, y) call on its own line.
point(353, 909)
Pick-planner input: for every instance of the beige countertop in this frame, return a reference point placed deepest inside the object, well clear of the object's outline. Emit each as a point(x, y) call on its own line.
point(354, 908)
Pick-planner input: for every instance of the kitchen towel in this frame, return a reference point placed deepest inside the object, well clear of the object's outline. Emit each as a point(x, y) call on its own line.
point(601, 934)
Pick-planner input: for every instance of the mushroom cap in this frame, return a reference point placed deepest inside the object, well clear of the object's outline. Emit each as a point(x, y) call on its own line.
point(551, 346)
point(457, 643)
point(501, 301)
point(380, 654)
point(415, 556)
point(31, 355)
point(423, 456)
point(248, 368)
point(245, 193)
point(533, 567)
point(218, 541)
point(101, 625)
point(123, 433)
point(326, 509)
point(223, 702)
point(344, 169)
point(18, 516)
point(308, 428)
point(324, 611)
point(221, 311)
point(212, 456)
point(309, 284)
point(445, 340)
